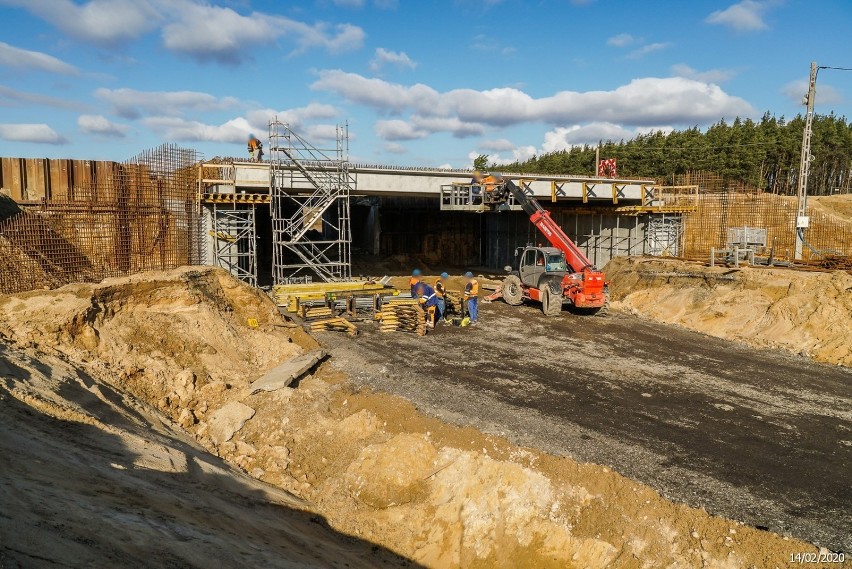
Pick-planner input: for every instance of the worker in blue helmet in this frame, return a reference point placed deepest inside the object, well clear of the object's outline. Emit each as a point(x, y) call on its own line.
point(471, 297)
point(440, 292)
point(414, 281)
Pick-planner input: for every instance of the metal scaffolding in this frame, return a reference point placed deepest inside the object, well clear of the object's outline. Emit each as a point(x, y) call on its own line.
point(665, 235)
point(235, 235)
point(311, 233)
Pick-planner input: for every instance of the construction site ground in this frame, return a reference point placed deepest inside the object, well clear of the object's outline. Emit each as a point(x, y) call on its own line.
point(144, 423)
point(755, 435)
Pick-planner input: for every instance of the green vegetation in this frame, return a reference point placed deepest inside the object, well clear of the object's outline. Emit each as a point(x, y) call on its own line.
point(763, 154)
point(480, 162)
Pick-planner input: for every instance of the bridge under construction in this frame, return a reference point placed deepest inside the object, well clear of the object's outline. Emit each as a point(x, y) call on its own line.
point(302, 214)
point(308, 212)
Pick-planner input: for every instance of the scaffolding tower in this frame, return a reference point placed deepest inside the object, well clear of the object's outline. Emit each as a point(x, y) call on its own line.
point(310, 190)
point(235, 238)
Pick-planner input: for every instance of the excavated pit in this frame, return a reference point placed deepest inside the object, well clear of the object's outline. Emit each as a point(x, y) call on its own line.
point(183, 345)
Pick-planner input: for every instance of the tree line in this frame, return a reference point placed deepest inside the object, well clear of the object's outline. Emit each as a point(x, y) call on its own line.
point(764, 154)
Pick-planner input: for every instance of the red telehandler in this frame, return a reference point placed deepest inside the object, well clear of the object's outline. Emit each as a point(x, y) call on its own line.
point(550, 275)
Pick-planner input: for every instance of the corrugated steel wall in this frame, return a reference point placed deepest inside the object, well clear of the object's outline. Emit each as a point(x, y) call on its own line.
point(35, 179)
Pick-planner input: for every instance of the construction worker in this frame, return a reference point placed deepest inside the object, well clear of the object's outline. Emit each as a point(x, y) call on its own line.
point(414, 281)
point(475, 186)
point(255, 148)
point(440, 291)
point(471, 296)
point(429, 301)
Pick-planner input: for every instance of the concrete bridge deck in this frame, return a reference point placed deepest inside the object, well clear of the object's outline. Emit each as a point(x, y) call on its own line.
point(372, 180)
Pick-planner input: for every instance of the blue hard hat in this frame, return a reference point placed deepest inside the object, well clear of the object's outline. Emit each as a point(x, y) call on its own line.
point(415, 273)
point(251, 136)
point(445, 276)
point(468, 275)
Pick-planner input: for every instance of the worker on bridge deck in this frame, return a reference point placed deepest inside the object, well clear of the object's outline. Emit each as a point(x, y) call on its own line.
point(255, 148)
point(428, 299)
point(471, 297)
point(441, 292)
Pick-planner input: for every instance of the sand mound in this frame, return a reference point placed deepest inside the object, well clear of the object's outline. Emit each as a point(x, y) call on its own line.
point(807, 313)
point(839, 207)
point(440, 495)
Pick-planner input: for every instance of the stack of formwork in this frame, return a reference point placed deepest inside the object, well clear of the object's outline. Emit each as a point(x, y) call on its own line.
point(401, 316)
point(453, 302)
point(322, 318)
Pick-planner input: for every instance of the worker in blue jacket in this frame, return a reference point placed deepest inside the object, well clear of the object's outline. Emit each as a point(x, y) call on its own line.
point(428, 301)
point(414, 281)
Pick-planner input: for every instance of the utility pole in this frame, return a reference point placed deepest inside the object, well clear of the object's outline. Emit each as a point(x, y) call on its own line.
point(597, 160)
point(805, 165)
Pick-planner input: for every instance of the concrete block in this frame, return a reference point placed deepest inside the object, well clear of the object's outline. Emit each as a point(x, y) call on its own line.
point(286, 373)
point(225, 422)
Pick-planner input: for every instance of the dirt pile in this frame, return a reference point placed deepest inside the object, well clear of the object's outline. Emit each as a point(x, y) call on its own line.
point(443, 496)
point(808, 313)
point(839, 206)
point(92, 477)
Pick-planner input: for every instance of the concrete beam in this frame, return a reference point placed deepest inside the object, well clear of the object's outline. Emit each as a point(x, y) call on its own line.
point(422, 182)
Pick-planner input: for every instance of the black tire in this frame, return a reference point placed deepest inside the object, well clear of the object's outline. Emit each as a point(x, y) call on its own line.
point(551, 303)
point(513, 292)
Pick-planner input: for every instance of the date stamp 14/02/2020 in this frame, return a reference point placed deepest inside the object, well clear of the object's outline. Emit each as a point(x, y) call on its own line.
point(809, 557)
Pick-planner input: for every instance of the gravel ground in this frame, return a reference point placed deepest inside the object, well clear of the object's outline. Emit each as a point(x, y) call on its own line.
point(752, 435)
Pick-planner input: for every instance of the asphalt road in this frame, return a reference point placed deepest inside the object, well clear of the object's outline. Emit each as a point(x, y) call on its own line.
point(754, 435)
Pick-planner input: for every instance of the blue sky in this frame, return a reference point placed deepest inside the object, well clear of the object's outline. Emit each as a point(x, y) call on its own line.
point(428, 83)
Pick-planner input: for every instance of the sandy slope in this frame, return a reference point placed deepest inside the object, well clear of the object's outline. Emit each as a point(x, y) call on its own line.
point(807, 313)
point(93, 478)
point(839, 206)
point(440, 495)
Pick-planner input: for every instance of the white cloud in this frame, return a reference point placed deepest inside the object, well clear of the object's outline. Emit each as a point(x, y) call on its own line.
point(397, 58)
point(647, 101)
point(12, 56)
point(649, 48)
point(498, 145)
point(11, 97)
point(398, 130)
point(100, 125)
point(518, 154)
point(825, 94)
point(130, 103)
point(256, 122)
point(562, 138)
point(101, 21)
point(744, 16)
point(395, 148)
point(565, 138)
point(38, 133)
point(621, 40)
point(488, 43)
point(296, 118)
point(181, 130)
point(217, 33)
point(322, 133)
point(453, 125)
point(192, 27)
point(421, 127)
point(709, 76)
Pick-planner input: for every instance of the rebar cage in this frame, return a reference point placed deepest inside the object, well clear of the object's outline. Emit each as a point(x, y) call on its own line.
point(142, 216)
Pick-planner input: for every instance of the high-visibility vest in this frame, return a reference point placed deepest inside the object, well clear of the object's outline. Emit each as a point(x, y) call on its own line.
point(472, 289)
